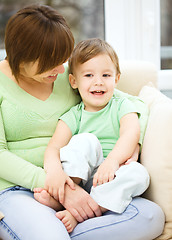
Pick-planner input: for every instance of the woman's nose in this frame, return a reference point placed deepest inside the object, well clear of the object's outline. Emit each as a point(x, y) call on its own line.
point(60, 69)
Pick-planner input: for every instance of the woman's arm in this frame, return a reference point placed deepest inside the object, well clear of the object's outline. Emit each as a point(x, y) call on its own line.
point(15, 169)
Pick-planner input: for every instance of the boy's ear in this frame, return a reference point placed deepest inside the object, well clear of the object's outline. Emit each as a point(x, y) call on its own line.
point(117, 78)
point(72, 81)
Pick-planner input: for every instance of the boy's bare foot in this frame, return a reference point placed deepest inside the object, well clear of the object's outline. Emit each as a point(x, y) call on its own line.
point(67, 219)
point(45, 198)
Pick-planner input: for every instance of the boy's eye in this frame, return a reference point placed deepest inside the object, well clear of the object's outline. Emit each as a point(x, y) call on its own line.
point(88, 75)
point(106, 75)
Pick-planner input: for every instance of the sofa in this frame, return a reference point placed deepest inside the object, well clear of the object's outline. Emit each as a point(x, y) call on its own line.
point(140, 79)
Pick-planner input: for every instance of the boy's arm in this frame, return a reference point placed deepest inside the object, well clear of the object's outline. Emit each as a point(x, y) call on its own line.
point(56, 178)
point(135, 155)
point(142, 108)
point(60, 138)
point(122, 151)
point(128, 140)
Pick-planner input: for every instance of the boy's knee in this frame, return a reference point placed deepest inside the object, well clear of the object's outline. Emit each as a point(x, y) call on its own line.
point(136, 173)
point(89, 136)
point(141, 175)
point(85, 138)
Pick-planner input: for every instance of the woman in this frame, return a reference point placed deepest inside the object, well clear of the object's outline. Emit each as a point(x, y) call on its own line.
point(32, 97)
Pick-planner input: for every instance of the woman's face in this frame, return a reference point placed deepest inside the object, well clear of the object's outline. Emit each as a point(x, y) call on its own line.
point(29, 70)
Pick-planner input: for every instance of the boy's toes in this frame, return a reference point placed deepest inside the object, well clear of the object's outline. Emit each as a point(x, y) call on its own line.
point(60, 215)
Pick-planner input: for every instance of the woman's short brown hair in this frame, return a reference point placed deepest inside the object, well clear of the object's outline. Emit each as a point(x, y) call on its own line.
point(87, 49)
point(37, 32)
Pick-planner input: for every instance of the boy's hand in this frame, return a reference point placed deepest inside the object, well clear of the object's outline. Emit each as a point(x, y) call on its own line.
point(106, 172)
point(55, 184)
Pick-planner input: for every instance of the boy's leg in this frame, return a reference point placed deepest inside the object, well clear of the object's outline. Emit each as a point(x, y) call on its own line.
point(131, 180)
point(45, 198)
point(81, 157)
point(67, 219)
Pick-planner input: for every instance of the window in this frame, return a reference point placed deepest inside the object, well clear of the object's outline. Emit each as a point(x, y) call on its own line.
point(141, 30)
point(166, 34)
point(85, 17)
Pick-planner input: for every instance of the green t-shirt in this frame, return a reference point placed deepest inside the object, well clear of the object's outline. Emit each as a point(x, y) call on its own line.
point(26, 126)
point(105, 124)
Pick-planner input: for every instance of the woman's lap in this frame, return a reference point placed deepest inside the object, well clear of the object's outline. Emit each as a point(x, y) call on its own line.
point(25, 219)
point(142, 220)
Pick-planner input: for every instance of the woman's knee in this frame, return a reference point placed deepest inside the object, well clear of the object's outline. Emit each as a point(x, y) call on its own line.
point(150, 216)
point(142, 219)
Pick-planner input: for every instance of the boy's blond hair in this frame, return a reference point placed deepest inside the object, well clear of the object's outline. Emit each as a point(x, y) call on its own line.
point(88, 49)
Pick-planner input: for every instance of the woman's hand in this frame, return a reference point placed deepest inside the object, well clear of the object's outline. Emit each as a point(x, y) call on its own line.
point(80, 204)
point(56, 179)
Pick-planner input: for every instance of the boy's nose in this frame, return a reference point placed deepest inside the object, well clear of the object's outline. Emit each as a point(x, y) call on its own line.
point(98, 81)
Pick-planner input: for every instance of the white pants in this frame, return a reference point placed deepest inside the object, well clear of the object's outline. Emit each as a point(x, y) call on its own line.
point(81, 158)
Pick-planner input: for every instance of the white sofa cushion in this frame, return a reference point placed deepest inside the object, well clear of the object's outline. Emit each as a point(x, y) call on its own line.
point(156, 153)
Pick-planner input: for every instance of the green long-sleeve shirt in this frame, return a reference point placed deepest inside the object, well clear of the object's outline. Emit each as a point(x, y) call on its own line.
point(26, 125)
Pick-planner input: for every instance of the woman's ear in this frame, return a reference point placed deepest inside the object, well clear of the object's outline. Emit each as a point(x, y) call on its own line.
point(72, 81)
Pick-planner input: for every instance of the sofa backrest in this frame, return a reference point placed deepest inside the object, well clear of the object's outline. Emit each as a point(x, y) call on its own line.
point(136, 74)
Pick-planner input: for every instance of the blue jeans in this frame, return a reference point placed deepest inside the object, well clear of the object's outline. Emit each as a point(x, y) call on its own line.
point(27, 219)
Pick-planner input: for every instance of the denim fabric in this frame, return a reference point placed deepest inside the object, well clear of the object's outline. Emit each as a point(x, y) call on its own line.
point(26, 219)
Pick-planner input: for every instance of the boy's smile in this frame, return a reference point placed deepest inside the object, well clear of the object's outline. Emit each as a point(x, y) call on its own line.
point(98, 92)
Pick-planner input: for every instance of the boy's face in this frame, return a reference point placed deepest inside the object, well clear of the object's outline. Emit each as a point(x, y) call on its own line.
point(95, 80)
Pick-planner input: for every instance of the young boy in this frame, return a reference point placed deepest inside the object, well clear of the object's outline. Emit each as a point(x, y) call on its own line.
point(98, 138)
